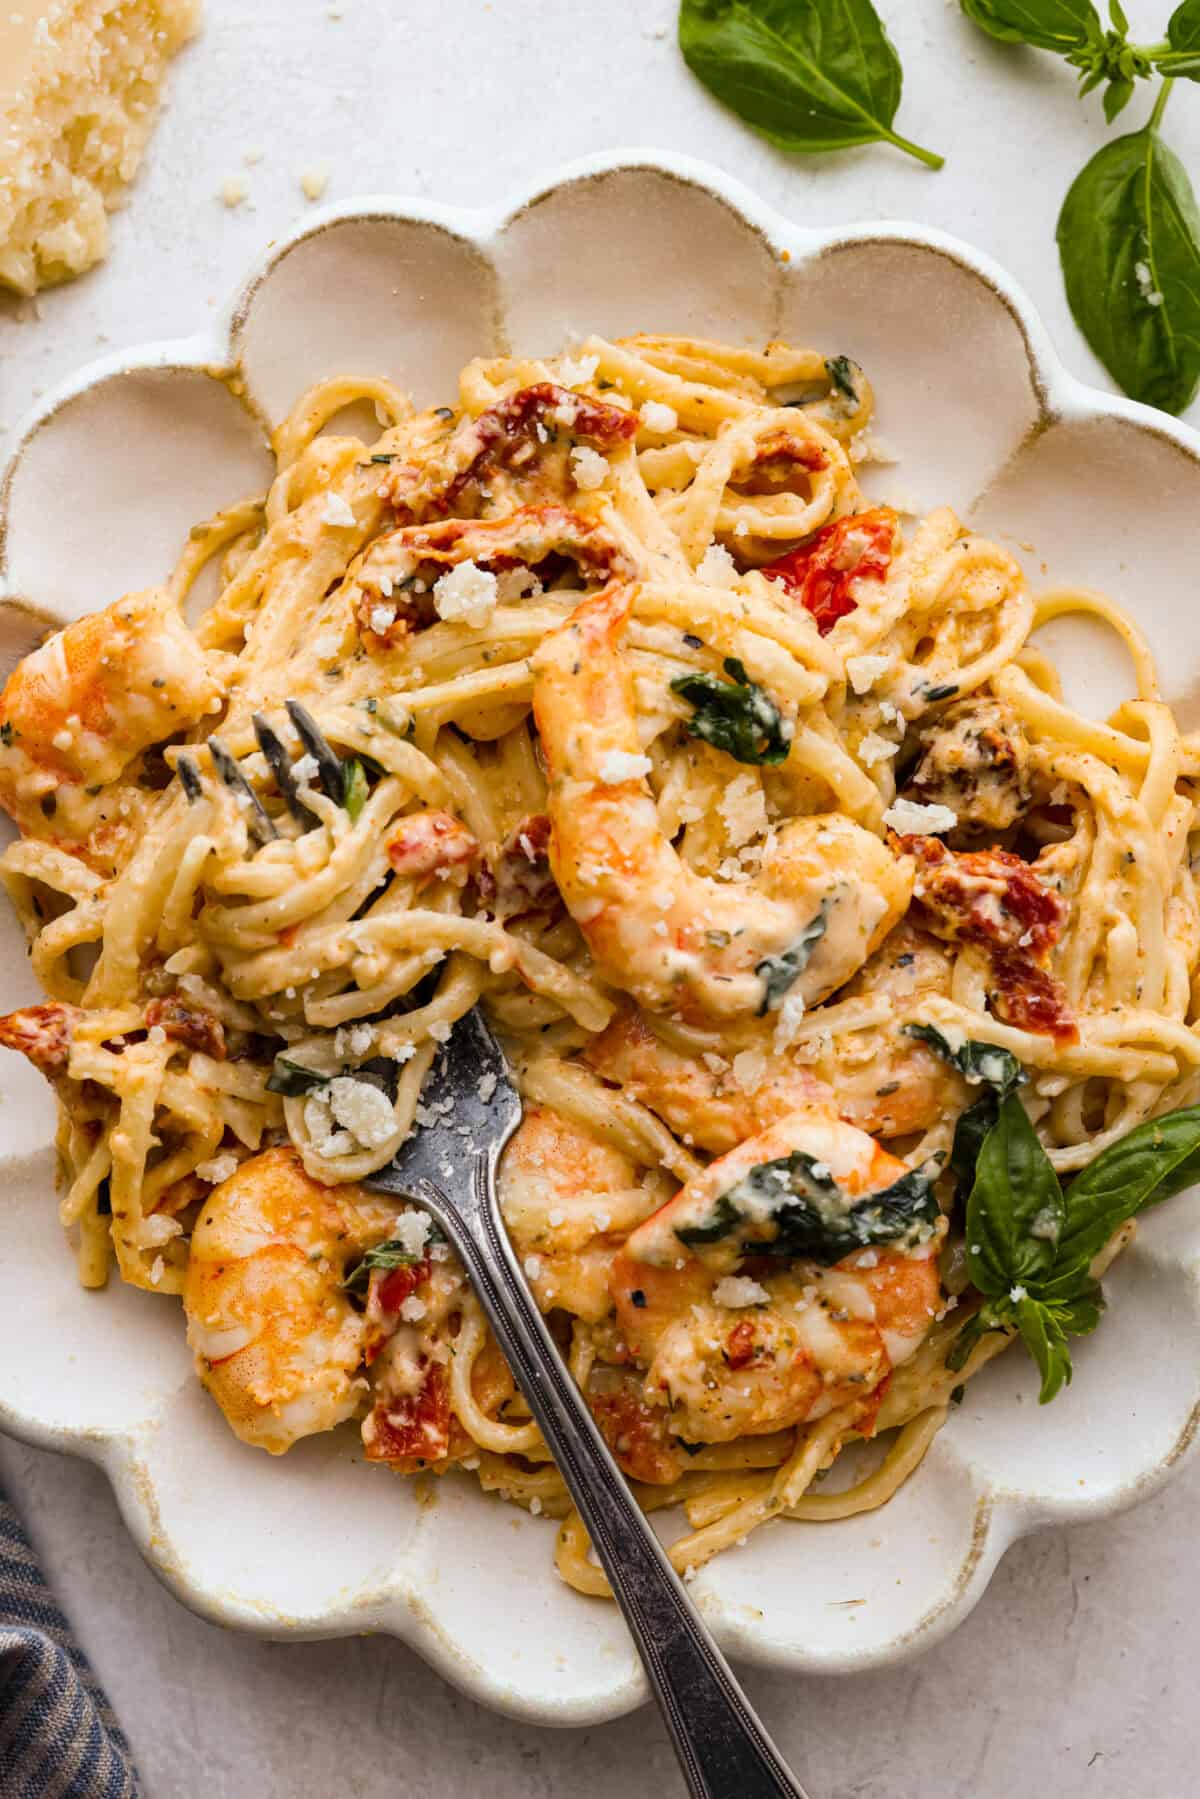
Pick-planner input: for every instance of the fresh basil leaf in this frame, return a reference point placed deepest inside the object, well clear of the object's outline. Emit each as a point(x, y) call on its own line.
point(735, 715)
point(970, 1132)
point(354, 786)
point(1183, 35)
point(1015, 1210)
point(1044, 1337)
point(384, 1256)
point(978, 1325)
point(809, 74)
point(721, 1221)
point(979, 1063)
point(1129, 243)
point(292, 1078)
point(1148, 1165)
point(1117, 96)
point(779, 974)
point(792, 1207)
point(1061, 25)
point(844, 374)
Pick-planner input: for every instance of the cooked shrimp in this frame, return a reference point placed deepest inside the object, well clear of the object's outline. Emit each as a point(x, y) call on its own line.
point(76, 713)
point(880, 1079)
point(277, 1342)
point(701, 1096)
point(732, 1355)
point(673, 938)
point(568, 1199)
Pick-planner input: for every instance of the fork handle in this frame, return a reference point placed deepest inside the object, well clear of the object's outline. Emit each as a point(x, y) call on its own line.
point(723, 1750)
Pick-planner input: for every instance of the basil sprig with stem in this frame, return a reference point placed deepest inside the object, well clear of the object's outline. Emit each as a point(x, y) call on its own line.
point(1129, 242)
point(1129, 229)
point(810, 75)
point(1030, 1245)
point(1074, 30)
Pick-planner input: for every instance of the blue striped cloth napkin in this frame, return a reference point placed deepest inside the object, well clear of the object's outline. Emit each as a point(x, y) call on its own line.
point(58, 1736)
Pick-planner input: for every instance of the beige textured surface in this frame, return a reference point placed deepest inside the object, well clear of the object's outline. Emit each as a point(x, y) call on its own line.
point(1075, 1675)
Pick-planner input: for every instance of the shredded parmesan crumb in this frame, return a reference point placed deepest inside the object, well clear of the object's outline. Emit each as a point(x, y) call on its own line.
point(313, 183)
point(910, 818)
point(336, 511)
point(589, 468)
point(577, 371)
point(736, 1291)
point(717, 567)
point(623, 765)
point(875, 748)
point(862, 672)
point(218, 1169)
point(657, 417)
point(467, 592)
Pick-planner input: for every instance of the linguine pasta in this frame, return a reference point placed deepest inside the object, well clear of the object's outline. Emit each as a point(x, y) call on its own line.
point(617, 707)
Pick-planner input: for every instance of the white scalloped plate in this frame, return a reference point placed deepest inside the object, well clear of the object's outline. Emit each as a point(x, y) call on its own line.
point(102, 489)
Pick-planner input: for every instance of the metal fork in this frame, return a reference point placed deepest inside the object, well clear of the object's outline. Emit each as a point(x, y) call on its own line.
point(449, 1168)
point(331, 775)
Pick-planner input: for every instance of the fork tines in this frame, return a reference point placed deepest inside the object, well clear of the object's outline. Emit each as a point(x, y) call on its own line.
point(258, 821)
point(329, 764)
point(330, 772)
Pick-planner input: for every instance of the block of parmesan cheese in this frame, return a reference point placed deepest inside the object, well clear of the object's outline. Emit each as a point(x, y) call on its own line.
point(80, 83)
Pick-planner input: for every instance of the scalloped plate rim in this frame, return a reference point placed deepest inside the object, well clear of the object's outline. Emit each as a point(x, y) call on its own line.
point(1002, 1516)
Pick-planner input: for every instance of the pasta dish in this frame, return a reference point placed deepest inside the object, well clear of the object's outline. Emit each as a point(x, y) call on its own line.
point(805, 906)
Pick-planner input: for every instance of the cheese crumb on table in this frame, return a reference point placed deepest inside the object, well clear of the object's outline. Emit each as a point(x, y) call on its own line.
point(234, 190)
point(313, 183)
point(80, 84)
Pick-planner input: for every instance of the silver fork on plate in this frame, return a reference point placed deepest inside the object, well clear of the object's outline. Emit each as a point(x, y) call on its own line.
point(449, 1168)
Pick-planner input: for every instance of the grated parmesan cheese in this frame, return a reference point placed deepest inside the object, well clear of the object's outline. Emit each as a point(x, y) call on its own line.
point(736, 1291)
point(862, 672)
point(335, 511)
point(411, 1230)
point(743, 810)
point(467, 592)
point(657, 417)
point(910, 818)
point(577, 371)
point(623, 765)
point(218, 1169)
point(875, 748)
point(80, 87)
point(717, 567)
point(589, 469)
